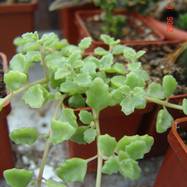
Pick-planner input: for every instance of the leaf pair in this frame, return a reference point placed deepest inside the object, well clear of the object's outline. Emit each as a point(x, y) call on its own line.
point(167, 89)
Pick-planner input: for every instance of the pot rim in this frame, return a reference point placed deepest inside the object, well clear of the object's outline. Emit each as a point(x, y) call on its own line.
point(80, 21)
point(18, 7)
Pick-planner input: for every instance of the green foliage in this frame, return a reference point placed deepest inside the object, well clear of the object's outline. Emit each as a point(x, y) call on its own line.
point(98, 96)
point(86, 117)
point(182, 21)
point(24, 135)
point(169, 85)
point(129, 168)
point(111, 166)
point(106, 145)
point(14, 80)
point(135, 146)
point(70, 79)
point(72, 170)
point(90, 135)
point(164, 121)
point(35, 96)
point(61, 131)
point(112, 24)
point(18, 177)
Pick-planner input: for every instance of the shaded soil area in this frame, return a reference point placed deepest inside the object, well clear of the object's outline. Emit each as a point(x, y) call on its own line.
point(160, 60)
point(133, 29)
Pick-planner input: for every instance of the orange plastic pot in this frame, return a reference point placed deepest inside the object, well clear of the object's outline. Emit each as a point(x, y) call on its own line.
point(173, 172)
point(174, 34)
point(67, 22)
point(6, 155)
point(15, 19)
point(81, 16)
point(113, 122)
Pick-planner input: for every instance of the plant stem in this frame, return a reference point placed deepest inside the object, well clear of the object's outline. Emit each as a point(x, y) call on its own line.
point(99, 157)
point(44, 160)
point(164, 103)
point(47, 146)
point(92, 158)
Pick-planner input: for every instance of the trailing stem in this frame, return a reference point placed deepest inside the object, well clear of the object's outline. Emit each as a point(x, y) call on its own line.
point(165, 103)
point(99, 157)
point(44, 160)
point(47, 147)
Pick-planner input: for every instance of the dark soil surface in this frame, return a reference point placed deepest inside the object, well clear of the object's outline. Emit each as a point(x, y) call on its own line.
point(183, 133)
point(159, 61)
point(2, 85)
point(134, 29)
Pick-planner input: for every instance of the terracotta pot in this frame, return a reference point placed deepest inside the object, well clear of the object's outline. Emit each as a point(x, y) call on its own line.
point(175, 34)
point(81, 16)
point(113, 122)
point(173, 172)
point(67, 22)
point(15, 19)
point(6, 156)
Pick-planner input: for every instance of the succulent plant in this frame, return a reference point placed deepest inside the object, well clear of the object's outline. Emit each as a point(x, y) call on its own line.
point(98, 81)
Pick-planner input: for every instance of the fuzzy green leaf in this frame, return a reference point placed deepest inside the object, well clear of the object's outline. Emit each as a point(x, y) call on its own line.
point(100, 51)
point(106, 61)
point(118, 81)
point(72, 170)
point(133, 80)
point(135, 101)
point(18, 177)
point(130, 145)
point(109, 40)
point(85, 43)
point(14, 80)
point(169, 85)
point(83, 80)
point(98, 96)
point(111, 166)
point(155, 90)
point(90, 135)
point(107, 145)
point(17, 63)
point(24, 135)
point(78, 136)
point(70, 87)
point(136, 149)
point(61, 131)
point(85, 117)
point(69, 116)
point(35, 96)
point(76, 101)
point(130, 169)
point(118, 49)
point(164, 121)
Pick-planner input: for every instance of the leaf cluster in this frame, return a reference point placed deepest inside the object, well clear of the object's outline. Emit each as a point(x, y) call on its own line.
point(99, 80)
